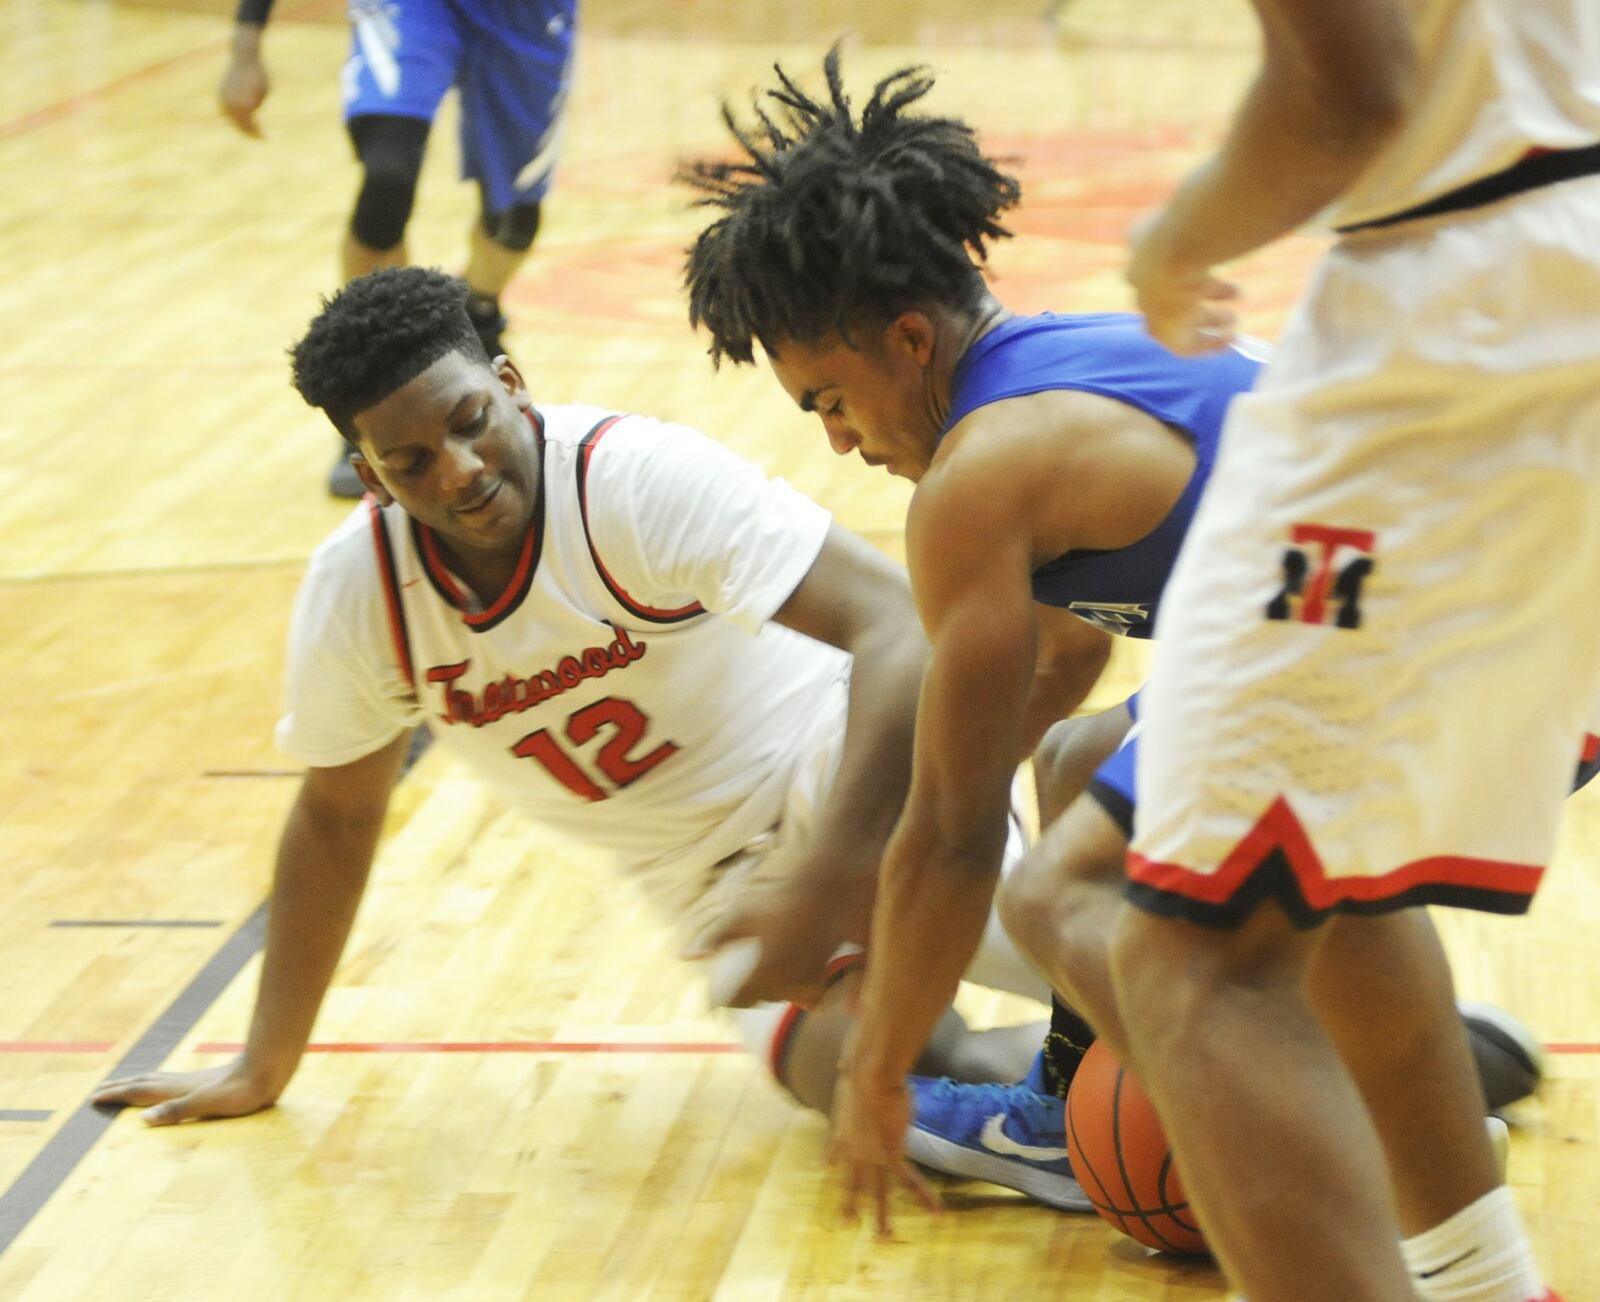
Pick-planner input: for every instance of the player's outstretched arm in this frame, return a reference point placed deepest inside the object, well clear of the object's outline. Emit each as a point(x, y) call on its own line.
point(1335, 83)
point(323, 858)
point(969, 538)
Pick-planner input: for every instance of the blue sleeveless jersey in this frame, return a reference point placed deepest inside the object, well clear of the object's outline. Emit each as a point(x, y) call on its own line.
point(1109, 354)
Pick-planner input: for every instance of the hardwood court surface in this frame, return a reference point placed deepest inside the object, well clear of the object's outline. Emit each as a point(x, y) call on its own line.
point(515, 1092)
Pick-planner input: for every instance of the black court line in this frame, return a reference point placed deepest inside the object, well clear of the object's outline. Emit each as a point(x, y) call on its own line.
point(68, 1146)
point(24, 1114)
point(133, 922)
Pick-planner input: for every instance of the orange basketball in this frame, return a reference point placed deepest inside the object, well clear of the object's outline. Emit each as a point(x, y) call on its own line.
point(1120, 1157)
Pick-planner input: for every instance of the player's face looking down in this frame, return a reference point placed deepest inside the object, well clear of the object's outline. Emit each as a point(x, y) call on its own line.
point(875, 398)
point(456, 449)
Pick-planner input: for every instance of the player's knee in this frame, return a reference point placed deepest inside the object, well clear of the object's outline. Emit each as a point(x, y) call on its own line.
point(390, 150)
point(1027, 901)
point(383, 208)
point(516, 227)
point(1068, 755)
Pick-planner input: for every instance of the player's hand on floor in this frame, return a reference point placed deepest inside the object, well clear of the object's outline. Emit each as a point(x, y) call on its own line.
point(869, 1136)
point(800, 924)
point(173, 1096)
point(1188, 309)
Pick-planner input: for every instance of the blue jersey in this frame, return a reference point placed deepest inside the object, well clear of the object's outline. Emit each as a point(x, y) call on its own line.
point(1109, 354)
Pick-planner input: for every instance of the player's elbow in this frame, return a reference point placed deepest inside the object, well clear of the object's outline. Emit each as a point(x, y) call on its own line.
point(1353, 96)
point(1374, 96)
point(1374, 110)
point(885, 631)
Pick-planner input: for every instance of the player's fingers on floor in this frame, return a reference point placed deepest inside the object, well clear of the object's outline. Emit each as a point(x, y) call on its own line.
point(136, 1091)
point(882, 1187)
point(924, 1192)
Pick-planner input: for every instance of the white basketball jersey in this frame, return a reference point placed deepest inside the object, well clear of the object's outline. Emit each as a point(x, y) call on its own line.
point(627, 688)
point(1501, 78)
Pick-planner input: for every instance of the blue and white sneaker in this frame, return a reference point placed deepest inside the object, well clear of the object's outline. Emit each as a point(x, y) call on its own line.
point(1008, 1135)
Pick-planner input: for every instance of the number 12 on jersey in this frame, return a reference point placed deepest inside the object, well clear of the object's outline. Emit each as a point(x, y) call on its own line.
point(614, 761)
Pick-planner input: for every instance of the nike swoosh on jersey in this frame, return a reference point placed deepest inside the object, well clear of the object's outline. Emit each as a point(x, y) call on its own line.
point(995, 1139)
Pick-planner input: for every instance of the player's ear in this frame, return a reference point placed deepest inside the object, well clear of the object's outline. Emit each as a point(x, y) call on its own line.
point(369, 477)
point(507, 373)
point(913, 332)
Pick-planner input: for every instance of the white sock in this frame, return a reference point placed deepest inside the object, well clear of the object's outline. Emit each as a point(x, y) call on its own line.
point(1481, 1254)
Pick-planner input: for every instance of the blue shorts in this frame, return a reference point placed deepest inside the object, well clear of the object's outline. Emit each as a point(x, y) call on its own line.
point(509, 61)
point(1113, 785)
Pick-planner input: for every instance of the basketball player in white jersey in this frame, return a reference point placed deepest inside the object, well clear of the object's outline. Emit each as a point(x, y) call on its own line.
point(633, 636)
point(1389, 647)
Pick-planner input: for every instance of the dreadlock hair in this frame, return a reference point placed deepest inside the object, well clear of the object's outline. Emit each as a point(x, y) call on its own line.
point(377, 333)
point(830, 220)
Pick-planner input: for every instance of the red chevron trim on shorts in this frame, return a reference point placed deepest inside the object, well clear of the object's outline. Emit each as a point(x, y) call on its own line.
point(1279, 829)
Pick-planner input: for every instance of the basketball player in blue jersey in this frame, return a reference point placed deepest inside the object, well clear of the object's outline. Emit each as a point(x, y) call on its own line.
point(1058, 461)
point(509, 60)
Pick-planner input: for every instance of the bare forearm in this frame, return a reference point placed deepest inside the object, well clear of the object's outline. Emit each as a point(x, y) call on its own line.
point(320, 877)
point(1055, 696)
point(929, 921)
point(1284, 160)
point(874, 774)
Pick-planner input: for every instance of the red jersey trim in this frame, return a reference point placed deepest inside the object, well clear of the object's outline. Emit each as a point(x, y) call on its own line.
point(586, 447)
point(391, 591)
point(1279, 832)
point(521, 581)
point(510, 597)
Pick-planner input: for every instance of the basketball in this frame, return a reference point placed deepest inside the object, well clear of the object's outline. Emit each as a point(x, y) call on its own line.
point(1119, 1154)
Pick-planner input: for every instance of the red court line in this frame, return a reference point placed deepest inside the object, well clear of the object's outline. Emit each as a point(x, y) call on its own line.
point(57, 1046)
point(1577, 1047)
point(65, 108)
point(500, 1046)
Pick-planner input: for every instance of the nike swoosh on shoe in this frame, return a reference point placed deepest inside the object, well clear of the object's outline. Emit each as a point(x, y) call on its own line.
point(995, 1139)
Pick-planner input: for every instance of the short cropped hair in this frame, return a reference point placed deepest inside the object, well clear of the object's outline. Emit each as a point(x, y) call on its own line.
point(377, 333)
point(828, 219)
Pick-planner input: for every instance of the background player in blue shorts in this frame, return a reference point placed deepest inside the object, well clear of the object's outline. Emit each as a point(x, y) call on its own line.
point(508, 60)
point(1058, 461)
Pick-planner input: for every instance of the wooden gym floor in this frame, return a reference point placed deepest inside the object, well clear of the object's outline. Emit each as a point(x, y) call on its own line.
point(514, 1091)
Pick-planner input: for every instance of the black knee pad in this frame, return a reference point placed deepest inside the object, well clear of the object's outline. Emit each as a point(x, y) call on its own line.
point(390, 149)
point(514, 228)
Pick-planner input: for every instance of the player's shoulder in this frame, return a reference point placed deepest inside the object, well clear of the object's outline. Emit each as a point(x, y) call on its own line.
point(341, 603)
point(347, 553)
point(343, 575)
point(617, 447)
point(572, 426)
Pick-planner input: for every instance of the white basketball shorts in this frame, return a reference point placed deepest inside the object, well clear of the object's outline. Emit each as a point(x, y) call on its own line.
point(1379, 652)
point(765, 1028)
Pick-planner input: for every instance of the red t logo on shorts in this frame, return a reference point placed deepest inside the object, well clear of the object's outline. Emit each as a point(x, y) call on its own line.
point(1334, 577)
